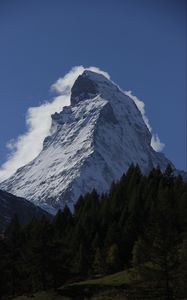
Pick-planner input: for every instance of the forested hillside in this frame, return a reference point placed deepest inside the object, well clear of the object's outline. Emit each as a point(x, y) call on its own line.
point(141, 224)
point(25, 210)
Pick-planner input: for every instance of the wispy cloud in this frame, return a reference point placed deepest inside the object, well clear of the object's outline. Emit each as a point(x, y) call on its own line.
point(64, 85)
point(38, 120)
point(156, 144)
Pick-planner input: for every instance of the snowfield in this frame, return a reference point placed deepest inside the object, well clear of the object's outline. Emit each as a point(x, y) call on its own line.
point(92, 142)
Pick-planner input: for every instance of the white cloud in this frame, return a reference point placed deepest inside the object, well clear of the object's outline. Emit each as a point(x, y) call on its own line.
point(156, 144)
point(38, 119)
point(64, 84)
point(141, 106)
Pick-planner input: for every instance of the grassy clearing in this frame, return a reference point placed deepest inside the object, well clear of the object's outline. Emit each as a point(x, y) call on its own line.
point(114, 280)
point(117, 279)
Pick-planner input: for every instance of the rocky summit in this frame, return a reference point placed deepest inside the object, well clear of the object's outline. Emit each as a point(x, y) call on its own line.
point(91, 143)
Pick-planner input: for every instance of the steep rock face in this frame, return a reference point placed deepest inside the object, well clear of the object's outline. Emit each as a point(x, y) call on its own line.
point(82, 89)
point(91, 143)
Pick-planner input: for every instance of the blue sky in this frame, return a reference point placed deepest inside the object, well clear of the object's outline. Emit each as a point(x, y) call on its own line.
point(141, 44)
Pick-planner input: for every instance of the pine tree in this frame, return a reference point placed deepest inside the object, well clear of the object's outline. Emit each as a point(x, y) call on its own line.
point(98, 266)
point(81, 263)
point(183, 268)
point(38, 252)
point(15, 237)
point(157, 257)
point(112, 259)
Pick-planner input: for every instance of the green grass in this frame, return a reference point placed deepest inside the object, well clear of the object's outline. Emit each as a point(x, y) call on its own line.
point(114, 280)
point(117, 279)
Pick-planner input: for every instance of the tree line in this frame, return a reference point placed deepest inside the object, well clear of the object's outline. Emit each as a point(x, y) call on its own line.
point(141, 223)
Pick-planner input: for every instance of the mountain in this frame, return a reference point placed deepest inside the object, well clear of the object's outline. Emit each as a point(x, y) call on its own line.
point(91, 143)
point(11, 205)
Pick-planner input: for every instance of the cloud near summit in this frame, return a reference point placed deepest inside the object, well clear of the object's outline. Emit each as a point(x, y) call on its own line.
point(38, 121)
point(155, 141)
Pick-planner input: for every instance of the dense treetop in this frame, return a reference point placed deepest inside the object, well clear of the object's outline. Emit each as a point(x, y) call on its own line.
point(141, 223)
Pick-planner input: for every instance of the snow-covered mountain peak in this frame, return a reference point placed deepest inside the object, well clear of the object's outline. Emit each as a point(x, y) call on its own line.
point(98, 78)
point(91, 143)
point(90, 83)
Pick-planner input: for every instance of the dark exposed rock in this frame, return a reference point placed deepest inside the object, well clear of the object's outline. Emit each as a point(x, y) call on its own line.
point(82, 88)
point(11, 205)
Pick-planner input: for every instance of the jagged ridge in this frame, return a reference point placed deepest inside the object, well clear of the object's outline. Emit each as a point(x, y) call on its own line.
point(91, 143)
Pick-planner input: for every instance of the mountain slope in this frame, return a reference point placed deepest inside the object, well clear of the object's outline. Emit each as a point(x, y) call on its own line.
point(11, 205)
point(92, 142)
